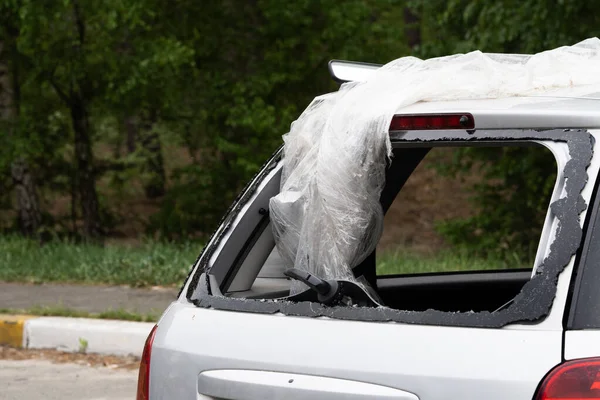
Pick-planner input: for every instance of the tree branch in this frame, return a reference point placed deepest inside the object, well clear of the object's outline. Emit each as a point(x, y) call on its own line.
point(79, 21)
point(64, 97)
point(104, 166)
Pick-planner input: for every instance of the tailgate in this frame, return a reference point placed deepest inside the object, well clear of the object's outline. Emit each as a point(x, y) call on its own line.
point(202, 346)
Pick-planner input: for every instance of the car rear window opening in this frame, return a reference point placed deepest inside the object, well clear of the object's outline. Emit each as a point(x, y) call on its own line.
point(440, 259)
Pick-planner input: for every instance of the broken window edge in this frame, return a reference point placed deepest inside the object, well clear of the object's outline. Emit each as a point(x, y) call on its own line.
point(541, 287)
point(201, 264)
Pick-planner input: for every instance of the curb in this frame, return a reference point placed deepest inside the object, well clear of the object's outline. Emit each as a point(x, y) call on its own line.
point(74, 334)
point(11, 329)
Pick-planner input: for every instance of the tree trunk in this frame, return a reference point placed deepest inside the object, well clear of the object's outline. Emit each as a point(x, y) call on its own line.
point(412, 28)
point(153, 168)
point(27, 201)
point(73, 190)
point(86, 179)
point(131, 129)
point(28, 211)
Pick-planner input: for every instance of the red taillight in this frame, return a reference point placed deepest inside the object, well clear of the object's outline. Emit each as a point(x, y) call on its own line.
point(432, 121)
point(572, 380)
point(144, 374)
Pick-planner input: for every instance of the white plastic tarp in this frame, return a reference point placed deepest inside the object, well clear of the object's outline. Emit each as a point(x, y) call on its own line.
point(327, 217)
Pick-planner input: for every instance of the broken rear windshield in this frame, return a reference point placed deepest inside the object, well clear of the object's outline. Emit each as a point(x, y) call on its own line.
point(223, 289)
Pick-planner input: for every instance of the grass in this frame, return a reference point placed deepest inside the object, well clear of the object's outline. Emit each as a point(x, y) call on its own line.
point(164, 264)
point(67, 312)
point(149, 264)
point(406, 262)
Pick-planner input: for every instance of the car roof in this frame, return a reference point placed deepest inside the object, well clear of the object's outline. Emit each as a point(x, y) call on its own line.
point(564, 108)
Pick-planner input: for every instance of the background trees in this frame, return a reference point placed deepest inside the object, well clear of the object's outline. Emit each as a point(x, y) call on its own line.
point(126, 117)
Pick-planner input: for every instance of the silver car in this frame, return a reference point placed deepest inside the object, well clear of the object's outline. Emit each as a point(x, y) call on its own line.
point(236, 331)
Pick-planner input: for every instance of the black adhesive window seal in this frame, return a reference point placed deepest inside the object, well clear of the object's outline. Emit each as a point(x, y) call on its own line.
point(533, 302)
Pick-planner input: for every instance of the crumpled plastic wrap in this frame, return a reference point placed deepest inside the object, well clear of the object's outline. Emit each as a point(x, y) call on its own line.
point(327, 217)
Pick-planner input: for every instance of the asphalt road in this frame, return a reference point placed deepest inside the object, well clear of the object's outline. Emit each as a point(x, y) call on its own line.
point(90, 298)
point(41, 379)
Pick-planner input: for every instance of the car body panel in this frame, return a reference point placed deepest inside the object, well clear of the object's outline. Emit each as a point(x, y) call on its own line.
point(253, 384)
point(582, 344)
point(431, 362)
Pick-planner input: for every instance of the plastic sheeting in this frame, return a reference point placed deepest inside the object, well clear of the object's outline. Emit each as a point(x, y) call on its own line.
point(327, 217)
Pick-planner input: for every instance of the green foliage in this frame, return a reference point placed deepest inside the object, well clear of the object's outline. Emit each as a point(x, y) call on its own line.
point(83, 345)
point(194, 203)
point(263, 65)
point(506, 209)
point(407, 262)
point(511, 199)
point(151, 263)
point(510, 26)
point(222, 81)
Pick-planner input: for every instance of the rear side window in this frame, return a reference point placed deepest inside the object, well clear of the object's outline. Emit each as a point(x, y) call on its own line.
point(454, 251)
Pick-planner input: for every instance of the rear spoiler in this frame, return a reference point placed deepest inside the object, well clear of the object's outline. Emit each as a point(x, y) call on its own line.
point(351, 71)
